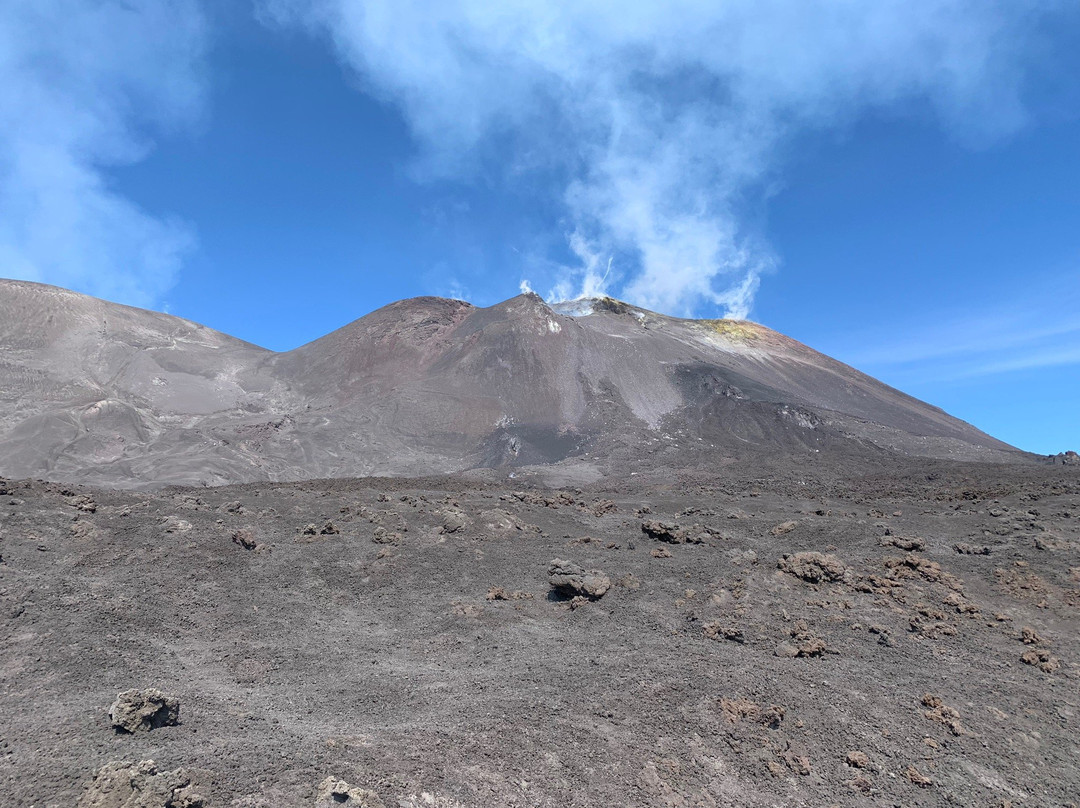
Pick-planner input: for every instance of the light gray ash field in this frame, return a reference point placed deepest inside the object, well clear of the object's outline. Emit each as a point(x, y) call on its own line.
point(449, 556)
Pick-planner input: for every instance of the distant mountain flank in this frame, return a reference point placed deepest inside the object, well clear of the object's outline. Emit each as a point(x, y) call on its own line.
point(100, 393)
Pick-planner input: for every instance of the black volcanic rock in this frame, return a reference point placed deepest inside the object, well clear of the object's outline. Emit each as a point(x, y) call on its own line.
point(106, 394)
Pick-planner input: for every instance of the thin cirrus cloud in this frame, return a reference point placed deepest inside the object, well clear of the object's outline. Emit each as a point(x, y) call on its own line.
point(1026, 348)
point(987, 339)
point(84, 86)
point(659, 119)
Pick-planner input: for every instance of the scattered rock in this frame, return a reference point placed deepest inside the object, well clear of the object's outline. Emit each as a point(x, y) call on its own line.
point(917, 777)
point(786, 650)
point(673, 534)
point(814, 567)
point(931, 623)
point(174, 524)
point(800, 764)
point(883, 634)
point(969, 549)
point(452, 521)
point(805, 644)
point(245, 537)
point(1028, 636)
point(334, 793)
point(84, 503)
point(629, 581)
point(784, 527)
point(466, 609)
point(717, 630)
point(861, 784)
point(1041, 659)
point(144, 710)
point(735, 710)
point(902, 543)
point(120, 784)
point(604, 506)
point(908, 566)
point(553, 500)
point(942, 713)
point(571, 579)
point(1049, 542)
point(383, 536)
point(499, 521)
point(857, 759)
point(661, 552)
point(811, 647)
point(961, 604)
point(329, 529)
point(662, 531)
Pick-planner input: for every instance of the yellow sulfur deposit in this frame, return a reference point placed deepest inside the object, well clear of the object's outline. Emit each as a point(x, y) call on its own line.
point(734, 330)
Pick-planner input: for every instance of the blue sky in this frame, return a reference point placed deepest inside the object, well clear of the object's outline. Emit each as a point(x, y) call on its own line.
point(896, 184)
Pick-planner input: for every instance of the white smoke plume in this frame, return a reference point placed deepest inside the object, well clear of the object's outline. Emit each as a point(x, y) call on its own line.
point(660, 118)
point(83, 87)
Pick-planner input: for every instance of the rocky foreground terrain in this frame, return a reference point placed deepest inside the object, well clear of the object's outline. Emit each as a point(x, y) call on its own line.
point(873, 631)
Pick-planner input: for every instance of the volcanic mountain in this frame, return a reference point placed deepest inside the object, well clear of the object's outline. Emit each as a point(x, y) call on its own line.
point(727, 570)
point(100, 393)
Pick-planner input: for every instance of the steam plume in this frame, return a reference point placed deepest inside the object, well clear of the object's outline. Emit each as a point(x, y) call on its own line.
point(660, 118)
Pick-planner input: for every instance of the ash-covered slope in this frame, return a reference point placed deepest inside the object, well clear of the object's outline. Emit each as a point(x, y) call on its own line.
point(93, 390)
point(107, 394)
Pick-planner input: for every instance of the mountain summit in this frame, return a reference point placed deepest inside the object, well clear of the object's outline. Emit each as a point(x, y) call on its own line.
point(106, 394)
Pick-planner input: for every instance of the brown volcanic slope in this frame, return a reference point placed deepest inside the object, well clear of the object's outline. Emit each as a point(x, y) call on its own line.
point(105, 394)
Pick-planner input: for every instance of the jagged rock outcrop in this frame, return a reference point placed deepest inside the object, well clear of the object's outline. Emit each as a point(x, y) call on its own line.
point(334, 793)
point(814, 567)
point(121, 784)
point(144, 710)
point(573, 580)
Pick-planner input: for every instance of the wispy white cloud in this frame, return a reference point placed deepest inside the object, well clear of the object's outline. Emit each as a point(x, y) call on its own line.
point(659, 118)
point(988, 337)
point(994, 331)
point(1032, 359)
point(84, 86)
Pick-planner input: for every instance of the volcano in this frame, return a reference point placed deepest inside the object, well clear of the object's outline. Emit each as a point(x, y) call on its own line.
point(574, 555)
point(105, 394)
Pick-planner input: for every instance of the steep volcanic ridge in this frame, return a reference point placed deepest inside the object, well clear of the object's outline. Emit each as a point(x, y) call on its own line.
point(105, 394)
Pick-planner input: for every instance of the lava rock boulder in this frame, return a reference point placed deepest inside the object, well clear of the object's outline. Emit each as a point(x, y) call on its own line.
point(144, 710)
point(572, 580)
